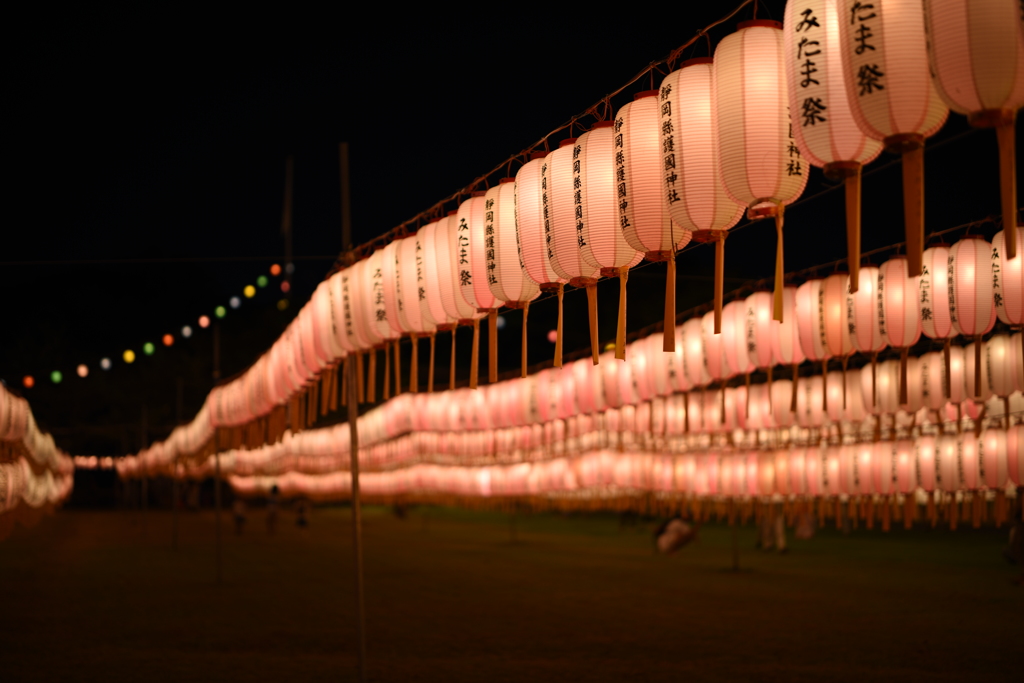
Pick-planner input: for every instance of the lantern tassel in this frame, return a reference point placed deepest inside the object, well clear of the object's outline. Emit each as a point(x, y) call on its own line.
point(903, 376)
point(1008, 184)
point(977, 365)
point(824, 384)
point(526, 314)
point(344, 380)
point(451, 365)
point(474, 359)
point(333, 399)
point(746, 407)
point(558, 332)
point(414, 364)
point(779, 269)
point(845, 359)
point(771, 408)
point(913, 206)
point(796, 379)
point(947, 384)
point(398, 367)
point(430, 368)
point(595, 350)
point(719, 278)
point(852, 186)
point(371, 384)
point(360, 381)
point(620, 329)
point(874, 379)
point(669, 333)
point(492, 346)
point(386, 391)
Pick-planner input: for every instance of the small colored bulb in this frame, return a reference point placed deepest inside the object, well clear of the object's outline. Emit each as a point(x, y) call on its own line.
point(82, 370)
point(105, 363)
point(186, 332)
point(262, 281)
point(148, 348)
point(204, 321)
point(282, 304)
point(28, 381)
point(275, 270)
point(235, 302)
point(168, 339)
point(56, 376)
point(553, 336)
point(286, 286)
point(220, 311)
point(500, 322)
point(129, 356)
point(249, 291)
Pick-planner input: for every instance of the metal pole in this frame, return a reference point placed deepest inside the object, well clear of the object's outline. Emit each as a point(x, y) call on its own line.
point(216, 459)
point(357, 522)
point(175, 492)
point(286, 219)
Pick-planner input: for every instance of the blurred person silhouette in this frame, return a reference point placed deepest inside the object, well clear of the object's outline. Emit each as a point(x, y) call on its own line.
point(238, 508)
point(273, 503)
point(673, 534)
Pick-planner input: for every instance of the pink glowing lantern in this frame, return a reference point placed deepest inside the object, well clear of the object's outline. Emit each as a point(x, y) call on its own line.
point(971, 303)
point(532, 236)
point(471, 270)
point(976, 54)
point(898, 295)
point(867, 320)
point(825, 130)
point(992, 467)
point(691, 334)
point(835, 317)
point(885, 468)
point(785, 338)
point(734, 339)
point(1008, 277)
point(889, 88)
point(1015, 454)
point(696, 197)
point(761, 166)
point(412, 275)
point(560, 227)
point(598, 235)
point(810, 322)
point(925, 454)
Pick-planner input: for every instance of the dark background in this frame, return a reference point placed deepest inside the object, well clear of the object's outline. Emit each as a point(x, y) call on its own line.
point(147, 158)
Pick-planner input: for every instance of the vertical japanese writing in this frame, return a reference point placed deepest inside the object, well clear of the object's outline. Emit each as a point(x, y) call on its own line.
point(808, 47)
point(668, 145)
point(490, 253)
point(950, 288)
point(577, 193)
point(620, 174)
point(869, 74)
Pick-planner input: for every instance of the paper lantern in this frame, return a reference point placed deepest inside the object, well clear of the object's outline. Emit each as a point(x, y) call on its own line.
point(505, 276)
point(599, 235)
point(835, 317)
point(532, 237)
point(992, 466)
point(971, 304)
point(898, 296)
point(761, 166)
point(810, 322)
point(692, 341)
point(560, 226)
point(786, 348)
point(866, 321)
point(885, 468)
point(926, 461)
point(885, 67)
point(714, 349)
point(823, 124)
point(436, 273)
point(696, 197)
point(760, 330)
point(734, 339)
point(1008, 277)
point(1015, 454)
point(976, 54)
point(412, 274)
point(471, 262)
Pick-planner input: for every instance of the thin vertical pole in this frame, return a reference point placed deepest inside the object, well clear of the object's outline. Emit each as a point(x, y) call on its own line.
point(216, 501)
point(357, 527)
point(175, 493)
point(144, 485)
point(346, 198)
point(286, 218)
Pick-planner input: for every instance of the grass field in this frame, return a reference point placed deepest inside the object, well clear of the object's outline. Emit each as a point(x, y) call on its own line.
point(451, 597)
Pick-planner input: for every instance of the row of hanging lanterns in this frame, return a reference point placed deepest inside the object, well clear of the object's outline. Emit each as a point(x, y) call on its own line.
point(34, 473)
point(719, 136)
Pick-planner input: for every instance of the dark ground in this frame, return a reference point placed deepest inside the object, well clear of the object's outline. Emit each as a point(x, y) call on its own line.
point(450, 597)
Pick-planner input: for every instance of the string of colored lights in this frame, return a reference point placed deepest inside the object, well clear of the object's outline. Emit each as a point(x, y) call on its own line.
point(129, 355)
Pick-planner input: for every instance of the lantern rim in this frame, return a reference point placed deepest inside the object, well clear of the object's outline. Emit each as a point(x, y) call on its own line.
point(645, 93)
point(507, 180)
point(566, 142)
point(602, 124)
point(478, 193)
point(697, 60)
point(537, 155)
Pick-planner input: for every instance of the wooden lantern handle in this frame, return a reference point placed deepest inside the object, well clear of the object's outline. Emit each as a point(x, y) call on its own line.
point(558, 329)
point(526, 314)
point(371, 384)
point(492, 345)
point(414, 364)
point(719, 279)
point(1008, 185)
point(430, 368)
point(669, 334)
point(779, 267)
point(474, 359)
point(852, 187)
point(620, 329)
point(913, 207)
point(387, 371)
point(451, 365)
point(595, 349)
point(398, 366)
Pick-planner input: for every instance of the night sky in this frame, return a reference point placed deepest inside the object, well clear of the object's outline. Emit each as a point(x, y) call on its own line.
point(147, 159)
